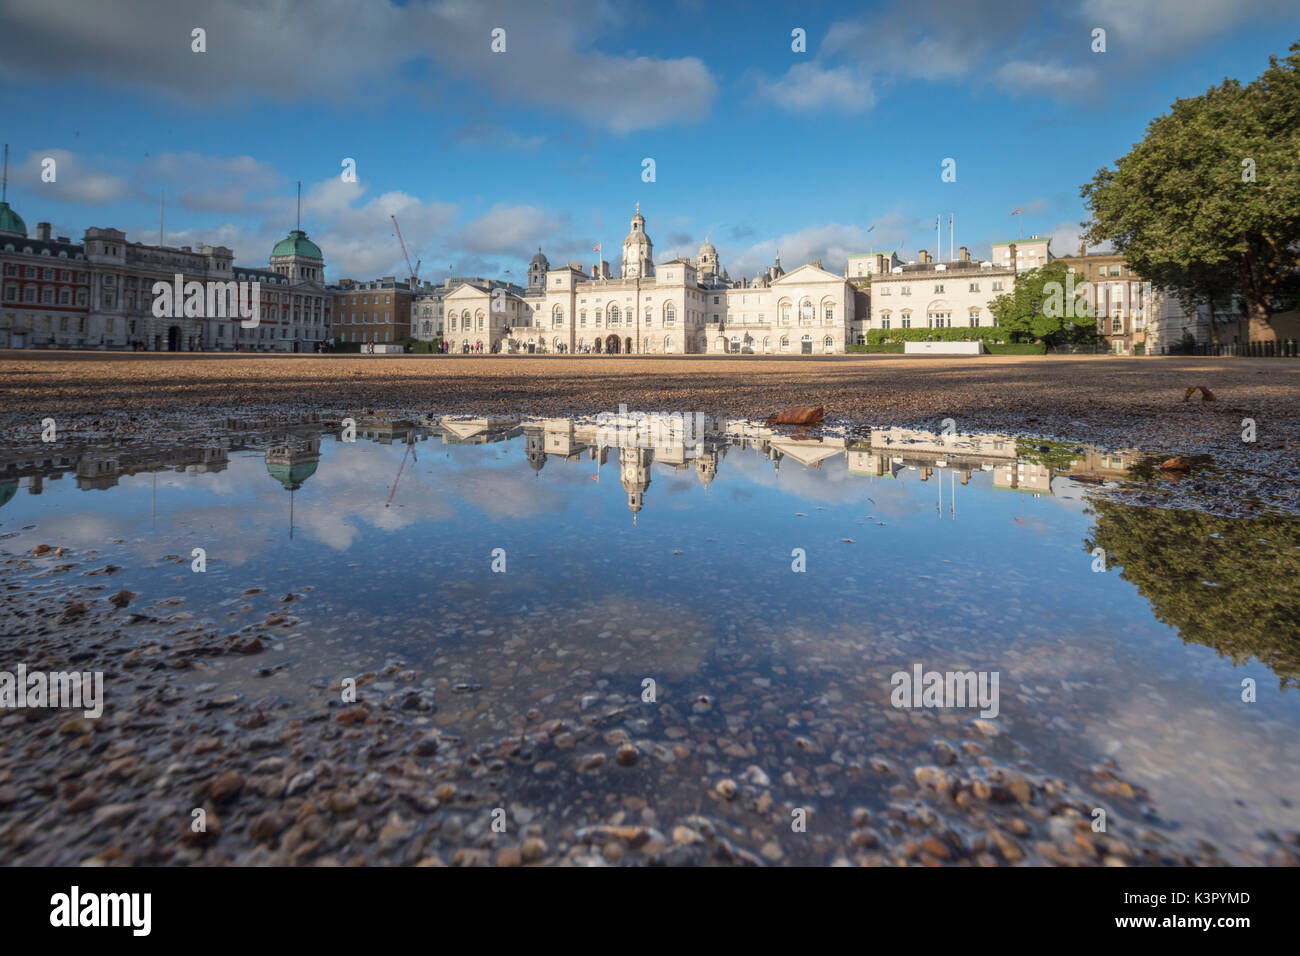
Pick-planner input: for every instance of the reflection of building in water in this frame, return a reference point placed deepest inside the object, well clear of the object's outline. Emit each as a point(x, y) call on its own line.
point(634, 474)
point(293, 460)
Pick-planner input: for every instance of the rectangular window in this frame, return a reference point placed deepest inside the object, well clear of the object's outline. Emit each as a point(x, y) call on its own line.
point(938, 287)
point(974, 287)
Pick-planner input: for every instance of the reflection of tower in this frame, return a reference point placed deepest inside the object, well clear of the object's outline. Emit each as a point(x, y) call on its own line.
point(634, 473)
point(7, 490)
point(706, 465)
point(291, 462)
point(535, 449)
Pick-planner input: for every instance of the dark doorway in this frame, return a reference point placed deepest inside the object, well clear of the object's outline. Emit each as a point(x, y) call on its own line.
point(612, 344)
point(174, 338)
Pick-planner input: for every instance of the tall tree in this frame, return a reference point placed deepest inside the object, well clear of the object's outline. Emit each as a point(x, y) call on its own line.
point(1213, 190)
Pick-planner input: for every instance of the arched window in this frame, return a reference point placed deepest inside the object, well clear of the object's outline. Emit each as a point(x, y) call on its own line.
point(828, 344)
point(557, 316)
point(670, 313)
point(828, 312)
point(668, 343)
point(767, 343)
point(806, 313)
point(784, 310)
point(479, 315)
point(785, 342)
point(614, 315)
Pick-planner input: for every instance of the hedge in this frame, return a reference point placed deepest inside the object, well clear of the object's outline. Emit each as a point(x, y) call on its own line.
point(985, 334)
point(1016, 348)
point(883, 347)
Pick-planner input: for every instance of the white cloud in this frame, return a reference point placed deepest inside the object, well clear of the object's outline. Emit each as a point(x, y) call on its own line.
point(76, 179)
point(351, 51)
point(1035, 78)
point(809, 86)
point(511, 230)
point(1152, 29)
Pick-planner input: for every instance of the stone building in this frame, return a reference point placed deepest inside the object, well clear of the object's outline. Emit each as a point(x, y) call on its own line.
point(932, 295)
point(98, 293)
point(44, 287)
point(678, 307)
point(377, 311)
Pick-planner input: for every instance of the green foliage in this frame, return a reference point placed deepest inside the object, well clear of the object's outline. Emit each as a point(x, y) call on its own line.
point(1039, 308)
point(1017, 348)
point(1208, 204)
point(982, 334)
point(1247, 608)
point(891, 347)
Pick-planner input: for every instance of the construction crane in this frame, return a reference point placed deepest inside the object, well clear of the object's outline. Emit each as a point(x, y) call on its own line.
point(415, 273)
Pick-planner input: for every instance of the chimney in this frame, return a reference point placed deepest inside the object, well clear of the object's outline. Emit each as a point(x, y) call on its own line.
point(1083, 248)
point(963, 254)
point(880, 262)
point(922, 256)
point(1012, 250)
point(43, 231)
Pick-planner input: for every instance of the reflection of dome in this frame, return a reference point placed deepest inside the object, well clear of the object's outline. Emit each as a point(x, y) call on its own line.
point(293, 464)
point(10, 221)
point(7, 491)
point(291, 476)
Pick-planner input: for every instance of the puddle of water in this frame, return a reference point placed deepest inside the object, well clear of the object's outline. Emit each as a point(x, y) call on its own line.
point(770, 583)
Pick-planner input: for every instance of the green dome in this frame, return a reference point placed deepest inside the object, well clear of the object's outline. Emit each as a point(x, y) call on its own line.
point(294, 244)
point(10, 221)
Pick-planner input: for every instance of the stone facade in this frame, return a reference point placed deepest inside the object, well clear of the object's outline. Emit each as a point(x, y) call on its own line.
point(682, 306)
point(929, 295)
point(98, 294)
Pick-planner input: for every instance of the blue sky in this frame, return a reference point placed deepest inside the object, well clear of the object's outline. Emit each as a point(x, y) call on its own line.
point(484, 156)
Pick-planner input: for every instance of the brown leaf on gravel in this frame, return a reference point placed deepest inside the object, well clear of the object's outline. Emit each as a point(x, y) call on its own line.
point(797, 416)
point(1206, 394)
point(1176, 464)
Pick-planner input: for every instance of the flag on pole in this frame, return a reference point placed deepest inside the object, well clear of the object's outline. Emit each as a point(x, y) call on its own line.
point(595, 248)
point(1015, 212)
point(872, 228)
